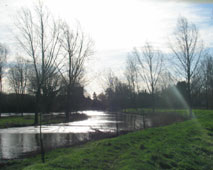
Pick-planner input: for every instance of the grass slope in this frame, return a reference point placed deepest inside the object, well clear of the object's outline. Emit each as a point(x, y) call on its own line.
point(185, 145)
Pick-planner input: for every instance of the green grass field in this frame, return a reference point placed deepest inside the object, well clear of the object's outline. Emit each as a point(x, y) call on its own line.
point(184, 145)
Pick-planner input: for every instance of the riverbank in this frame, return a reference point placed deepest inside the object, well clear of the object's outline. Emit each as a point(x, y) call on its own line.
point(183, 145)
point(28, 120)
point(148, 111)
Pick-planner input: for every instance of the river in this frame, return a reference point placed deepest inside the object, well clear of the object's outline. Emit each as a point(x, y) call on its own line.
point(19, 142)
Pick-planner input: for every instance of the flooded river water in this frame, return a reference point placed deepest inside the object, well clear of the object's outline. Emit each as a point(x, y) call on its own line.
point(22, 141)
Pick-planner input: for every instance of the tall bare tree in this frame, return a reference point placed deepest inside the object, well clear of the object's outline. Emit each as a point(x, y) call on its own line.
point(150, 62)
point(39, 38)
point(3, 56)
point(77, 48)
point(188, 49)
point(18, 78)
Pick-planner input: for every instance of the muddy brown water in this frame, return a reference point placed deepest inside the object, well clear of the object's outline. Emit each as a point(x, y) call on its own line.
point(20, 142)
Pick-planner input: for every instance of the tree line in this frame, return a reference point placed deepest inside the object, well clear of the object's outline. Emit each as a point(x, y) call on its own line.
point(50, 64)
point(180, 78)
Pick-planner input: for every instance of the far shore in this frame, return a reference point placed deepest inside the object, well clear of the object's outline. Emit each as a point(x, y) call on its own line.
point(28, 120)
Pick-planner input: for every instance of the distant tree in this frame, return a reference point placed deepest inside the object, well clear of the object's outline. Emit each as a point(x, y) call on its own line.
point(150, 62)
point(118, 94)
point(197, 89)
point(103, 101)
point(94, 96)
point(3, 56)
point(131, 73)
point(111, 80)
point(206, 77)
point(76, 48)
point(166, 80)
point(188, 49)
point(18, 79)
point(123, 95)
point(111, 83)
point(95, 102)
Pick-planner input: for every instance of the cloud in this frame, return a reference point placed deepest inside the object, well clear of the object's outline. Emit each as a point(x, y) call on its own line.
point(118, 26)
point(193, 1)
point(185, 1)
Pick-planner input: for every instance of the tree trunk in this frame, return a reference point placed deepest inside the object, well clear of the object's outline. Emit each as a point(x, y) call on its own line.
point(207, 100)
point(41, 141)
point(189, 98)
point(117, 128)
point(0, 103)
point(153, 100)
point(144, 121)
point(36, 108)
point(22, 103)
point(68, 105)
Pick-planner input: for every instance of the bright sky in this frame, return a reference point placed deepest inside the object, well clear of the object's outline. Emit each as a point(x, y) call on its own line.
point(116, 26)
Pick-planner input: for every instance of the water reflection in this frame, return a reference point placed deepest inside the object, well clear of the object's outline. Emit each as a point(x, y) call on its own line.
point(16, 142)
point(18, 145)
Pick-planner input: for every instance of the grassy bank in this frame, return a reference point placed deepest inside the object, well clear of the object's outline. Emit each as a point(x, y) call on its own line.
point(20, 121)
point(185, 145)
point(141, 111)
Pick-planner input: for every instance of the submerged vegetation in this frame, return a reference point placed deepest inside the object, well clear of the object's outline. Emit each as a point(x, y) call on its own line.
point(183, 145)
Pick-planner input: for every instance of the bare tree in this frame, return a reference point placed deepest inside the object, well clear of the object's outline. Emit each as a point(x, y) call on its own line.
point(39, 38)
point(77, 48)
point(166, 80)
point(150, 62)
point(188, 50)
point(118, 93)
point(131, 73)
point(3, 56)
point(111, 80)
point(18, 79)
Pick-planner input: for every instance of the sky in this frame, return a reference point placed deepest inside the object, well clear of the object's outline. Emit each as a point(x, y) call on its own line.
point(116, 27)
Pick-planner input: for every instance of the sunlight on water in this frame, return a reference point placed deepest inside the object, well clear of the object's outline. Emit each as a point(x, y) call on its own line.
point(16, 142)
point(97, 120)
